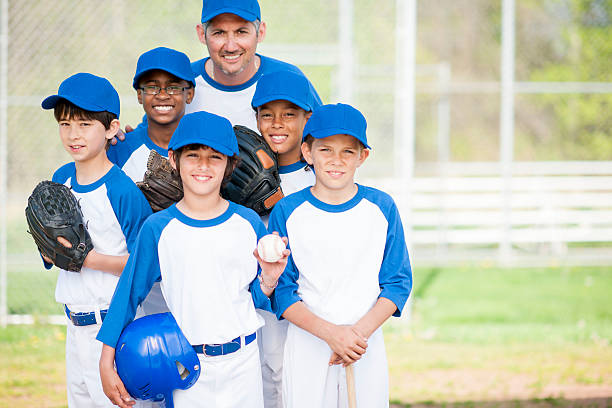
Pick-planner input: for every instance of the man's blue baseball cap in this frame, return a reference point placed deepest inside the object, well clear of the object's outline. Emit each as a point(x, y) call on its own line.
point(338, 119)
point(207, 129)
point(286, 86)
point(165, 59)
point(88, 92)
point(246, 9)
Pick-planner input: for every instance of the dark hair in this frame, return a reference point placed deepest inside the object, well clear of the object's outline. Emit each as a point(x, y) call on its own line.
point(232, 161)
point(65, 110)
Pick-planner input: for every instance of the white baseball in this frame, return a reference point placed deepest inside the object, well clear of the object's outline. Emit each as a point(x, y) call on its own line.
point(270, 248)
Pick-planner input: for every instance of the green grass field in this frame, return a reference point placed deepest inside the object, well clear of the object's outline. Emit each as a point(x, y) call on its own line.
point(478, 337)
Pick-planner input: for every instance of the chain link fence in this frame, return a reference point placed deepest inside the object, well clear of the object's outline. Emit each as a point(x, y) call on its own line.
point(562, 94)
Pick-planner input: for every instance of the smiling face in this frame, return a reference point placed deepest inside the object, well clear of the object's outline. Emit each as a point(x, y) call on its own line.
point(231, 43)
point(164, 109)
point(281, 123)
point(85, 139)
point(335, 159)
point(202, 170)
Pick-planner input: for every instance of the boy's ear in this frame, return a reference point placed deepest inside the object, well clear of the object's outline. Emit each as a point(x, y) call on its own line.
point(171, 159)
point(190, 94)
point(363, 155)
point(113, 128)
point(306, 153)
point(308, 115)
point(139, 93)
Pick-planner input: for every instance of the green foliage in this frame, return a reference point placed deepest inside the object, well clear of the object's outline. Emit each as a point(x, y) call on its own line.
point(566, 126)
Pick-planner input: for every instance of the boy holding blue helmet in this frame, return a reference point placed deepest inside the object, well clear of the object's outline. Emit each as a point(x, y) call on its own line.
point(202, 251)
point(164, 83)
point(348, 271)
point(283, 102)
point(87, 110)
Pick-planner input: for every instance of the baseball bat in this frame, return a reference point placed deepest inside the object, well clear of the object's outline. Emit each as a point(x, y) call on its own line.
point(350, 386)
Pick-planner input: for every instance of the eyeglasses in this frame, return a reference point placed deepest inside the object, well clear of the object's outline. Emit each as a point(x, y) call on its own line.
point(170, 90)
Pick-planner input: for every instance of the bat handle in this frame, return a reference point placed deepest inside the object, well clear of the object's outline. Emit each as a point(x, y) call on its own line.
point(350, 386)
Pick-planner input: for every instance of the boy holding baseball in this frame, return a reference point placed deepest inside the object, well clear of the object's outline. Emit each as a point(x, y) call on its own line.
point(283, 102)
point(202, 251)
point(87, 110)
point(164, 83)
point(348, 271)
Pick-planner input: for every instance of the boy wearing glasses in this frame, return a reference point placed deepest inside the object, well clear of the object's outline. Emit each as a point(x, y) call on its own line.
point(165, 83)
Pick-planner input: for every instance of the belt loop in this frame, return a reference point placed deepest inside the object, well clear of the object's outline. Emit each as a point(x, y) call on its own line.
point(98, 315)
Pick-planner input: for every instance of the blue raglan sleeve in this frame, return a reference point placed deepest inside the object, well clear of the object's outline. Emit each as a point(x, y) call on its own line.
point(130, 206)
point(285, 293)
point(395, 276)
point(140, 273)
point(260, 300)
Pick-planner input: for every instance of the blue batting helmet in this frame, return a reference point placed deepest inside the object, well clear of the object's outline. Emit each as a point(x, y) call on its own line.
point(154, 358)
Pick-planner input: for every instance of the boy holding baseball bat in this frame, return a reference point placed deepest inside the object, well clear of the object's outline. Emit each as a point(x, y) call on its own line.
point(283, 102)
point(201, 250)
point(348, 271)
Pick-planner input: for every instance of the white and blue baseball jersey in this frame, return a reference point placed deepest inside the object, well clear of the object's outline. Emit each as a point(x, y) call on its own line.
point(233, 102)
point(207, 271)
point(343, 258)
point(295, 177)
point(113, 210)
point(132, 154)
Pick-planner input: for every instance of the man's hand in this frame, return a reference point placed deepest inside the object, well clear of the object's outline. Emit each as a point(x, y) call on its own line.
point(120, 136)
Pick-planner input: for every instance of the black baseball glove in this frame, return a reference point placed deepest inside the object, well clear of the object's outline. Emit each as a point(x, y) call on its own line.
point(255, 182)
point(52, 212)
point(161, 184)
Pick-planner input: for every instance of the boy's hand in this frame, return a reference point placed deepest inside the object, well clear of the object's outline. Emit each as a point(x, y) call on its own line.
point(271, 271)
point(336, 359)
point(346, 343)
point(120, 136)
point(111, 383)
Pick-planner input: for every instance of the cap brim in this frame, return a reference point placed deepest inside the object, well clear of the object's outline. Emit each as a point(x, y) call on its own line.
point(322, 133)
point(51, 101)
point(279, 97)
point(240, 13)
point(173, 72)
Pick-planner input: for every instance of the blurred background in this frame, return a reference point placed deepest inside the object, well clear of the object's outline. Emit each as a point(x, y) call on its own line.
point(491, 126)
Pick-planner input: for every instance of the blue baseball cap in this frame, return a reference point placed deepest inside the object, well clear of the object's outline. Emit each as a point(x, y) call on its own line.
point(206, 129)
point(88, 92)
point(283, 85)
point(246, 9)
point(338, 119)
point(165, 59)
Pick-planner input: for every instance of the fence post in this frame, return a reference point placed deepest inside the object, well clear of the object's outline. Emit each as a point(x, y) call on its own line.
point(506, 146)
point(404, 120)
point(347, 59)
point(3, 159)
